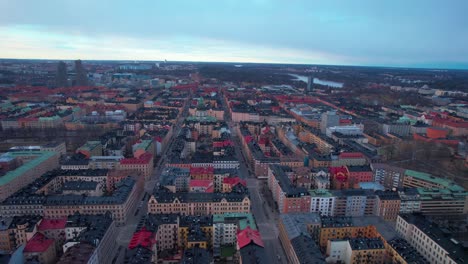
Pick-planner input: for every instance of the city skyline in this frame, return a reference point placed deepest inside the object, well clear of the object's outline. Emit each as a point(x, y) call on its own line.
point(417, 34)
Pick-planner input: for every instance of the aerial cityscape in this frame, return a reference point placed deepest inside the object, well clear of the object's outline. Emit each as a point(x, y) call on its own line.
point(195, 148)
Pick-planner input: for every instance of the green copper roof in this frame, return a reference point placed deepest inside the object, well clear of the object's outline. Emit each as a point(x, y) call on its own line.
point(243, 219)
point(444, 183)
point(41, 157)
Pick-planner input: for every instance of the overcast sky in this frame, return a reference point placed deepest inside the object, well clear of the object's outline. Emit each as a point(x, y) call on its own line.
point(430, 33)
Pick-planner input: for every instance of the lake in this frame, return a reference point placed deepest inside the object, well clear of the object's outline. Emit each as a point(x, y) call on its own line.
point(318, 81)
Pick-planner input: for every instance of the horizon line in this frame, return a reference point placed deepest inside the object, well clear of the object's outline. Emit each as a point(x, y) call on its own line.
point(463, 68)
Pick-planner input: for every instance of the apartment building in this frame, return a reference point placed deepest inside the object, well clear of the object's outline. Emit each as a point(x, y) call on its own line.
point(143, 164)
point(387, 175)
point(429, 240)
point(356, 250)
point(226, 226)
point(400, 251)
point(354, 202)
point(387, 205)
point(288, 197)
point(322, 201)
point(296, 234)
point(417, 179)
point(166, 202)
point(34, 164)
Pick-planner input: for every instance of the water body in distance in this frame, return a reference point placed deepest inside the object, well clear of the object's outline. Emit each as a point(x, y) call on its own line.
point(318, 81)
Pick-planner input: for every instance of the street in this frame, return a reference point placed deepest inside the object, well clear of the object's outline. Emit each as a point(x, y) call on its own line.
point(265, 214)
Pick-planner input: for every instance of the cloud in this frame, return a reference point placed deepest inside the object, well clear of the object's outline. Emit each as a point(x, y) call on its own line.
point(303, 31)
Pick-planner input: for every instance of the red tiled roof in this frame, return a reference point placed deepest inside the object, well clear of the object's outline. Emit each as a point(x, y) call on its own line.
point(247, 236)
point(142, 238)
point(143, 159)
point(47, 224)
point(345, 121)
point(234, 180)
point(38, 243)
point(210, 189)
point(348, 155)
point(201, 170)
point(200, 183)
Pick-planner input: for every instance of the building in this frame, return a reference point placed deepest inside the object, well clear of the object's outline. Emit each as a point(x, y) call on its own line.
point(34, 164)
point(195, 231)
point(388, 176)
point(78, 253)
point(90, 148)
point(356, 250)
point(96, 230)
point(425, 180)
point(16, 231)
point(251, 247)
point(143, 164)
point(58, 147)
point(296, 233)
point(442, 201)
point(229, 183)
point(388, 205)
point(288, 197)
point(225, 228)
point(54, 229)
point(104, 162)
point(354, 202)
point(400, 251)
point(329, 119)
point(410, 201)
point(120, 202)
point(164, 228)
point(40, 248)
point(343, 228)
point(322, 201)
point(166, 202)
point(429, 240)
point(196, 255)
point(358, 174)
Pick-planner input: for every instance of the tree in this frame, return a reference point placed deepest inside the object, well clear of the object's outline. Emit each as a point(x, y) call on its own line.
point(62, 77)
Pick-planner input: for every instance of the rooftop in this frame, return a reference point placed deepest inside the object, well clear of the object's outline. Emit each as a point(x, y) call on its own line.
point(249, 236)
point(79, 185)
point(296, 224)
point(444, 183)
point(164, 196)
point(362, 243)
point(455, 250)
point(307, 250)
point(287, 187)
point(77, 254)
point(196, 255)
point(41, 156)
point(38, 243)
point(242, 220)
point(406, 251)
point(48, 224)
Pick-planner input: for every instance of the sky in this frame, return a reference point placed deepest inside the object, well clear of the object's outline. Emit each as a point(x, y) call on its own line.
point(407, 33)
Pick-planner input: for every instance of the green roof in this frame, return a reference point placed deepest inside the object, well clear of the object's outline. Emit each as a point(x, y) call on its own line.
point(90, 145)
point(202, 118)
point(41, 157)
point(244, 220)
point(446, 194)
point(443, 183)
point(144, 144)
point(228, 251)
point(320, 193)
